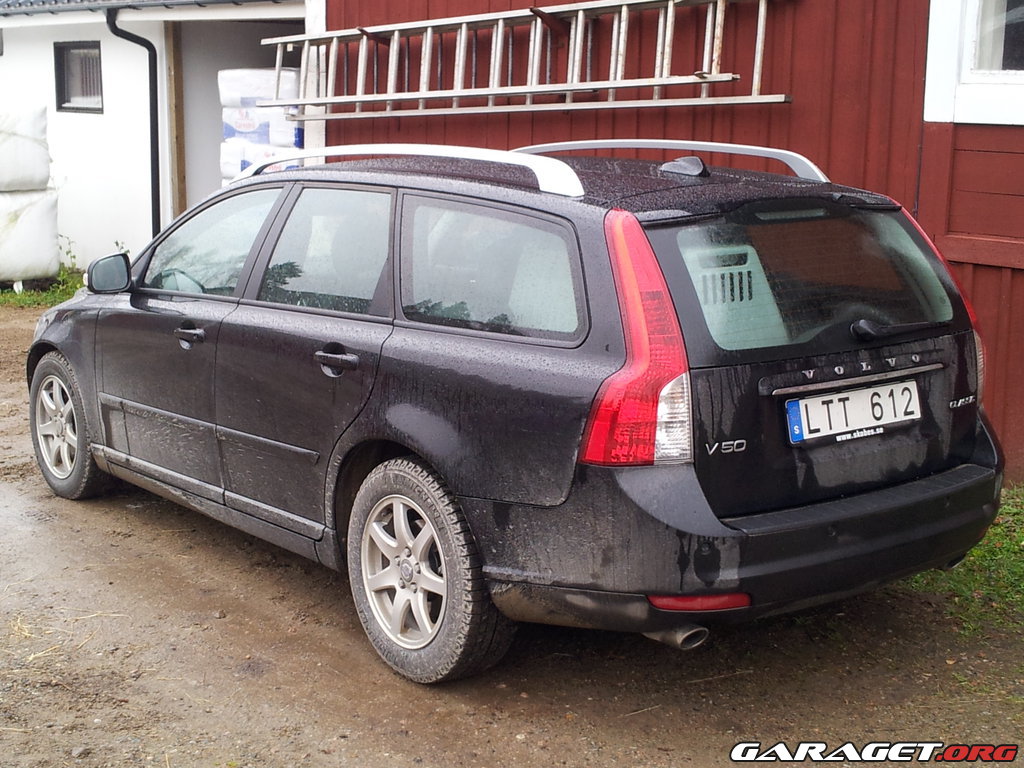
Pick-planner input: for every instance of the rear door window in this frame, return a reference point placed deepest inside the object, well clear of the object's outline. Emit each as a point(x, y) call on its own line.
point(489, 269)
point(332, 252)
point(766, 276)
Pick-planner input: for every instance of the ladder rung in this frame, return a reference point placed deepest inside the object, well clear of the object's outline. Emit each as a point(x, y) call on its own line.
point(510, 91)
point(484, 109)
point(459, 81)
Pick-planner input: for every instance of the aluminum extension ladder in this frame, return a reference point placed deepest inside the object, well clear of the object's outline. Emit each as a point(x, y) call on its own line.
point(576, 56)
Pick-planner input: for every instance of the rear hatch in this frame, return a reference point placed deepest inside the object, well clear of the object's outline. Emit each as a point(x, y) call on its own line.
point(829, 351)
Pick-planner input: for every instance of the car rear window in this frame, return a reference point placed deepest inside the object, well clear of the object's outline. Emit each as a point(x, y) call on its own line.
point(767, 276)
point(489, 269)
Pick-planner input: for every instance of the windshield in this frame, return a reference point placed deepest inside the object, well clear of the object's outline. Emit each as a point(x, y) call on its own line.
point(768, 276)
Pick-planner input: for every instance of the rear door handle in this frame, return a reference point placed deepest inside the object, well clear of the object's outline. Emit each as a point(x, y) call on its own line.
point(337, 361)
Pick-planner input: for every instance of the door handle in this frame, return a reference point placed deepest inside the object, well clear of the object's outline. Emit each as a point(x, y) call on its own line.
point(337, 361)
point(188, 336)
point(193, 335)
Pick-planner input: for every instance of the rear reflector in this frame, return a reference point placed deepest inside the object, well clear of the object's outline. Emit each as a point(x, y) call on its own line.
point(700, 602)
point(641, 414)
point(979, 354)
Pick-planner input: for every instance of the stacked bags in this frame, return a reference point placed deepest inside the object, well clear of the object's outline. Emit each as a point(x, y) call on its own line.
point(28, 208)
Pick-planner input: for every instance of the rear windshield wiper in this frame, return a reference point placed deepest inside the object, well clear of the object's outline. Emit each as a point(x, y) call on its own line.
point(868, 330)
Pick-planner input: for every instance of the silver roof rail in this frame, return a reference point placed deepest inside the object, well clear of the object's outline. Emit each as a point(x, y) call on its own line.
point(797, 163)
point(552, 174)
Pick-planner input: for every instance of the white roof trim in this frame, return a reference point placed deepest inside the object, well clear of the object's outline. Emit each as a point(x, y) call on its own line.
point(290, 9)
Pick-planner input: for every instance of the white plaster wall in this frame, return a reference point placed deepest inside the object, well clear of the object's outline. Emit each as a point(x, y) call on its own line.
point(208, 47)
point(100, 161)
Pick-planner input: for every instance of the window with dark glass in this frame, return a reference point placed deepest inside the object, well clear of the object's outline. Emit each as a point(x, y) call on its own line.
point(1001, 35)
point(781, 274)
point(78, 76)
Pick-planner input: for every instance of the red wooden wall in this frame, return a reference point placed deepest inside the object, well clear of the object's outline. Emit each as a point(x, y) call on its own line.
point(972, 203)
point(855, 72)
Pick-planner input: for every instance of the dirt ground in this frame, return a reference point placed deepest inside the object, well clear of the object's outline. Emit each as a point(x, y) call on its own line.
point(136, 633)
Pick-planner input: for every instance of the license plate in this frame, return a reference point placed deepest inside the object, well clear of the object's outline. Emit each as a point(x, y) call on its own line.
point(854, 413)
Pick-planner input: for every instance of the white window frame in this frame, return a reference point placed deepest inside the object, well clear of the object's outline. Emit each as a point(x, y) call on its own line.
point(955, 90)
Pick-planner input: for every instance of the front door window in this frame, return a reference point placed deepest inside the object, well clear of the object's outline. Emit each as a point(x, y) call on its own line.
point(207, 252)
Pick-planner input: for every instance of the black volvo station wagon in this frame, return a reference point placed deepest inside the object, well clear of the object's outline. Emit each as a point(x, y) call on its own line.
point(504, 386)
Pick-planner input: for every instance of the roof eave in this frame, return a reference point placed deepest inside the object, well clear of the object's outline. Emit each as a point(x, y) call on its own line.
point(38, 7)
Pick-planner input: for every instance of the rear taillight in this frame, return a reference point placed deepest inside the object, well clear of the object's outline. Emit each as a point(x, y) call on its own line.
point(979, 349)
point(641, 414)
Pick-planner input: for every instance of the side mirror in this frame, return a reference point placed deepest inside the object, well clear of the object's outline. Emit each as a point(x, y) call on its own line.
point(111, 274)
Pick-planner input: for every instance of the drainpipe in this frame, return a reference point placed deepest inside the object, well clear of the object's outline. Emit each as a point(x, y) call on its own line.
point(154, 127)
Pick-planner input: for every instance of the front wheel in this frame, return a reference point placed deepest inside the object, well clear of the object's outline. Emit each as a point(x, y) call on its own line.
point(416, 578)
point(60, 431)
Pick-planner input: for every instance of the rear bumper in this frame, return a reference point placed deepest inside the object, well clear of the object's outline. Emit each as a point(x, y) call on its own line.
point(813, 554)
point(785, 560)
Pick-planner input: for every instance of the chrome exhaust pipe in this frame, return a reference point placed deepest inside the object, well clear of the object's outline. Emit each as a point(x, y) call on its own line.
point(952, 563)
point(684, 638)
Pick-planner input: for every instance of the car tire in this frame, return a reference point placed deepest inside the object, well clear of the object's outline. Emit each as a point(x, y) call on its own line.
point(416, 577)
point(61, 433)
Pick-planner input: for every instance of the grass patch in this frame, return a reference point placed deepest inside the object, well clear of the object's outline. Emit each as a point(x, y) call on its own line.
point(63, 288)
point(987, 588)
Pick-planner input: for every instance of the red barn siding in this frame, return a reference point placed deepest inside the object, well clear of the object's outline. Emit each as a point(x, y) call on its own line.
point(972, 203)
point(999, 302)
point(987, 181)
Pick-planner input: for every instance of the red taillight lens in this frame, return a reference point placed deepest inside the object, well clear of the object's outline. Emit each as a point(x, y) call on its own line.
point(979, 349)
point(642, 412)
point(700, 602)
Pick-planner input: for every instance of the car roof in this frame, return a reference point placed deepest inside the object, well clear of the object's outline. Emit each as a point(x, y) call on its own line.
point(652, 190)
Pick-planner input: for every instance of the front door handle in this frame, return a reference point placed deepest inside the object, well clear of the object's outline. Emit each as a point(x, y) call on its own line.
point(334, 363)
point(188, 336)
point(193, 335)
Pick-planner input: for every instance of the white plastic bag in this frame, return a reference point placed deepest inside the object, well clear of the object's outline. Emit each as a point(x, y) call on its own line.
point(28, 235)
point(24, 154)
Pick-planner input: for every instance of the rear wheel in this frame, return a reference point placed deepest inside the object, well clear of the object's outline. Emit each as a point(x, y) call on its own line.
point(61, 434)
point(416, 577)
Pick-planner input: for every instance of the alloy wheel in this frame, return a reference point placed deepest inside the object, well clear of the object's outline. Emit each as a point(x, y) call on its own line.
point(56, 427)
point(403, 572)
